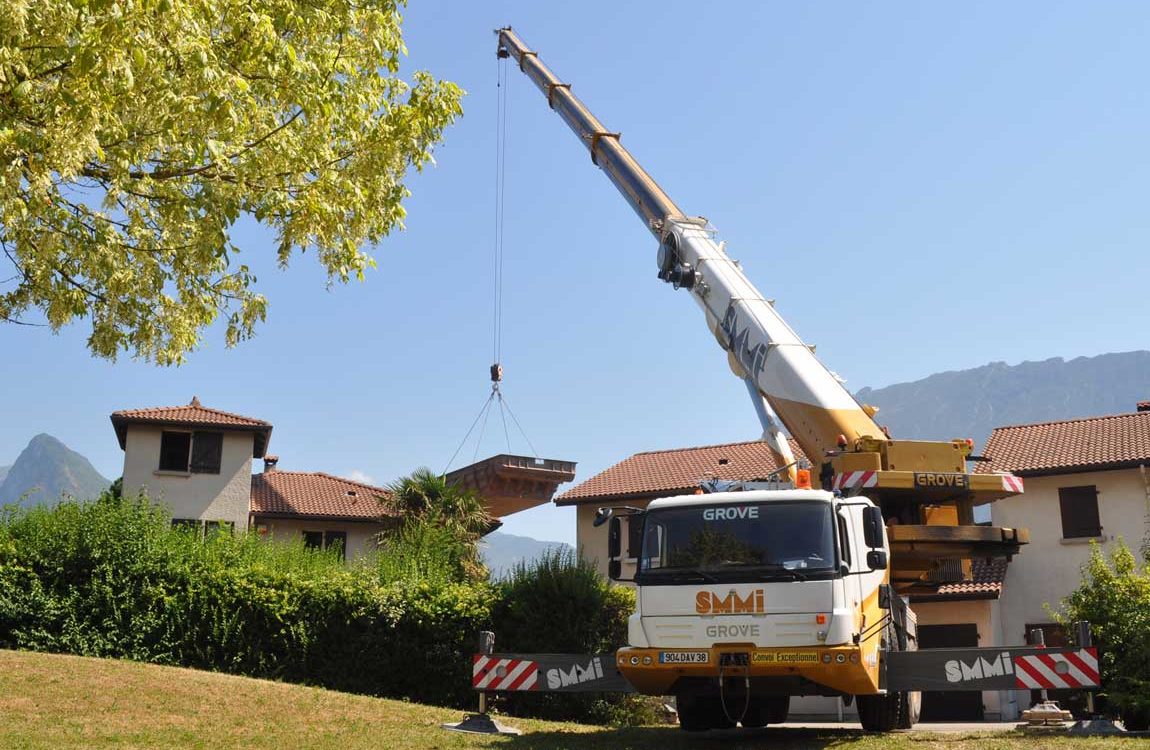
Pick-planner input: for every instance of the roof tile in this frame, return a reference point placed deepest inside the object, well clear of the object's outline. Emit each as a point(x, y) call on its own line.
point(194, 414)
point(986, 583)
point(312, 494)
point(678, 470)
point(1073, 444)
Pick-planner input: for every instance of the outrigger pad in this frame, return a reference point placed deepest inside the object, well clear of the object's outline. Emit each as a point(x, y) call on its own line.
point(481, 724)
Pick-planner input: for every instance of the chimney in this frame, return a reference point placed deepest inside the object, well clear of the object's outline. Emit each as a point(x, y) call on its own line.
point(270, 463)
point(1143, 406)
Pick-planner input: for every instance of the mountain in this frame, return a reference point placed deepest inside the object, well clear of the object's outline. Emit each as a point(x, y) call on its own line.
point(46, 469)
point(971, 403)
point(3, 473)
point(502, 552)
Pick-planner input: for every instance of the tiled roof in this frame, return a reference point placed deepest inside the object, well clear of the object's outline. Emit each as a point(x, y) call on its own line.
point(986, 583)
point(314, 494)
point(1071, 445)
point(678, 470)
point(193, 414)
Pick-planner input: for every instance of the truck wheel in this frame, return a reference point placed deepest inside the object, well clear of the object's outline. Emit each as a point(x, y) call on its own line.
point(880, 713)
point(911, 709)
point(694, 714)
point(771, 709)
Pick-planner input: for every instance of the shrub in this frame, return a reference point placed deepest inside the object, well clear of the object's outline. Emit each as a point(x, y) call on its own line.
point(112, 578)
point(1114, 597)
point(561, 604)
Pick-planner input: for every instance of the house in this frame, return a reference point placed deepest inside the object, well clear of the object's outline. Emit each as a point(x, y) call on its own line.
point(198, 461)
point(955, 614)
point(1087, 480)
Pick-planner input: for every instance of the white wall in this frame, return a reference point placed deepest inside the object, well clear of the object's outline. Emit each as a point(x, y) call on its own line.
point(1049, 568)
point(211, 497)
point(360, 536)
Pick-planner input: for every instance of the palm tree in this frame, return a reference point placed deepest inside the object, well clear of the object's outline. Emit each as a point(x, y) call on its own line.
point(426, 497)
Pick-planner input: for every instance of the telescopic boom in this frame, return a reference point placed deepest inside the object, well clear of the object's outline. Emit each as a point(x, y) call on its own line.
point(923, 485)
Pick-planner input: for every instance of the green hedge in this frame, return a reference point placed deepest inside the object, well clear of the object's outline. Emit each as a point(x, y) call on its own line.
point(111, 578)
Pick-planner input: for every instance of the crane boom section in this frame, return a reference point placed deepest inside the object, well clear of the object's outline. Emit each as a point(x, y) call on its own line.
point(641, 192)
point(809, 400)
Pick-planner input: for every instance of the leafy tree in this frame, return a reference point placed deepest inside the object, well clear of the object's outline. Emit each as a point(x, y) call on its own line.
point(426, 498)
point(1114, 597)
point(134, 135)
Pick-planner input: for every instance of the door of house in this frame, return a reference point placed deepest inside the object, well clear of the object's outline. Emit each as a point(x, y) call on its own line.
point(965, 705)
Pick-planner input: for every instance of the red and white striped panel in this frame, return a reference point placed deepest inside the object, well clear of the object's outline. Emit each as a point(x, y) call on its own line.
point(494, 673)
point(1011, 483)
point(1069, 669)
point(851, 479)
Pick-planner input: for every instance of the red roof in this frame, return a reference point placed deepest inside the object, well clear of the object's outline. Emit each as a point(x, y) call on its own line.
point(986, 583)
point(193, 414)
point(313, 494)
point(676, 471)
point(1072, 445)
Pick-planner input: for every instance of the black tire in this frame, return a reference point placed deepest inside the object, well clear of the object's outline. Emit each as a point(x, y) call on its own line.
point(880, 713)
point(771, 709)
point(699, 713)
point(694, 715)
point(910, 711)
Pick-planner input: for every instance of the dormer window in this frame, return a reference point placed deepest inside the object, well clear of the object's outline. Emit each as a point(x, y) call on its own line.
point(192, 452)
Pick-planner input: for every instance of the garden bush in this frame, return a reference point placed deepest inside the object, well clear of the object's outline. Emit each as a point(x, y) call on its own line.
point(561, 604)
point(112, 578)
point(1114, 597)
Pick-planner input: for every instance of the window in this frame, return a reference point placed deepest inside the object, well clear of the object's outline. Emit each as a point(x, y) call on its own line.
point(739, 543)
point(195, 452)
point(174, 447)
point(218, 527)
point(327, 540)
point(1079, 506)
point(634, 536)
point(203, 529)
point(844, 542)
point(338, 540)
point(207, 448)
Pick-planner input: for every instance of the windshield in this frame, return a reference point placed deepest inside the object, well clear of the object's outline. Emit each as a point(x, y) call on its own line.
point(751, 542)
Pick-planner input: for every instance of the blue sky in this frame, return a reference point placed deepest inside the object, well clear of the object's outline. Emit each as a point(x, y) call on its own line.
point(922, 187)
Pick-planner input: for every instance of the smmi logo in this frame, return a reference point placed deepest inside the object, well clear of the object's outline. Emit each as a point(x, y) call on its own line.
point(752, 356)
point(558, 677)
point(707, 603)
point(979, 669)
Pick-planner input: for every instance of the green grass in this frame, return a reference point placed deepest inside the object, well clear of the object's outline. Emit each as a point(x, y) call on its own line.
point(52, 701)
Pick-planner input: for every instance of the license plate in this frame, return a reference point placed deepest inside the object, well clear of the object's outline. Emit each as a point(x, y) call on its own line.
point(684, 657)
point(785, 657)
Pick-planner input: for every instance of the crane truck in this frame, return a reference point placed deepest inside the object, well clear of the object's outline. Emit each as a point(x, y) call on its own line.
point(798, 586)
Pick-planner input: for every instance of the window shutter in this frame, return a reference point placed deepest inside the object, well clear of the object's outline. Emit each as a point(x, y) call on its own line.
point(174, 451)
point(1079, 507)
point(207, 449)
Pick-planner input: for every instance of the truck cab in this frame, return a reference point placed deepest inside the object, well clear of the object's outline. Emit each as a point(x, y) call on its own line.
point(746, 598)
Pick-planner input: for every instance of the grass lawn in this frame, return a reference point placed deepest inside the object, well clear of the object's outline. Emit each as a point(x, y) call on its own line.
point(51, 701)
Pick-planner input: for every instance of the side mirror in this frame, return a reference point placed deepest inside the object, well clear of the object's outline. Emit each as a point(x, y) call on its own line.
point(614, 540)
point(614, 569)
point(602, 516)
point(876, 559)
point(872, 527)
